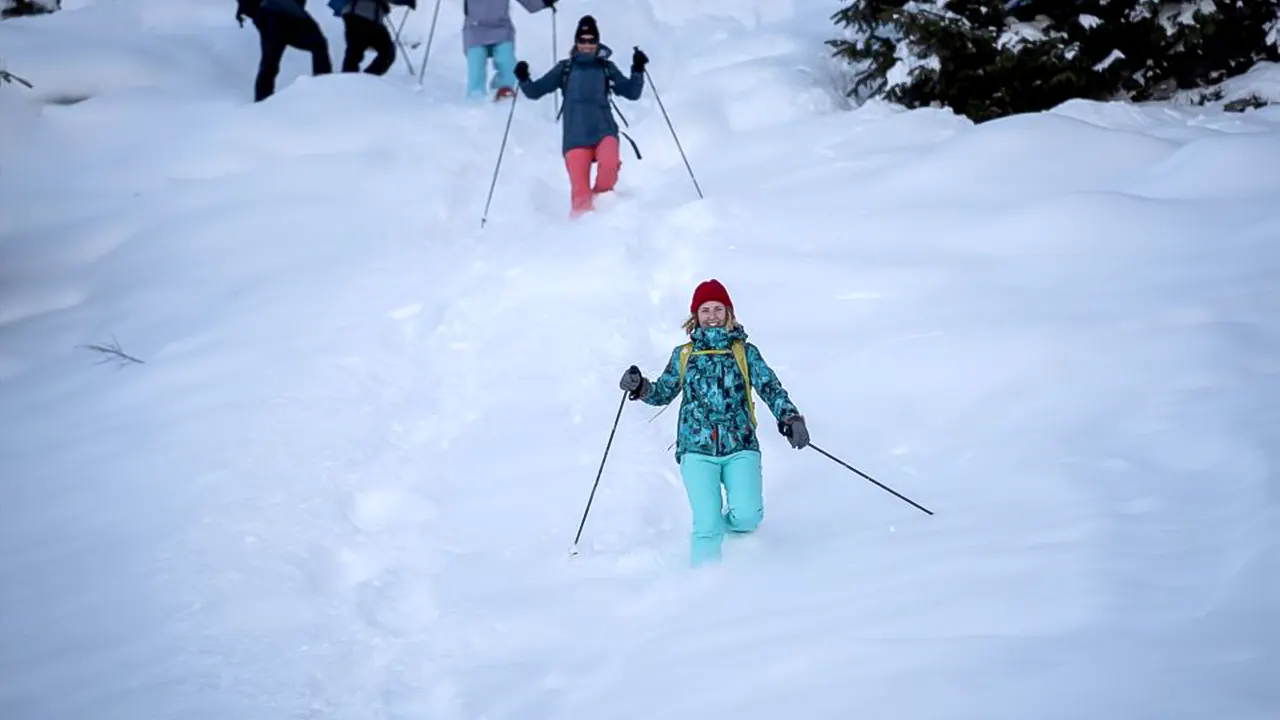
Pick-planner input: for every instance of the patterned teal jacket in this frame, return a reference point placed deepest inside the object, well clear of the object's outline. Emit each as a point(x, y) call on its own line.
point(713, 414)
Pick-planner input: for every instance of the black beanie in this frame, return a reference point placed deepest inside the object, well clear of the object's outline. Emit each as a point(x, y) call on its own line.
point(587, 29)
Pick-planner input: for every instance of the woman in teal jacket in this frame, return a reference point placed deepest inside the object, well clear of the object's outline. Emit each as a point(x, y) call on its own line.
point(716, 440)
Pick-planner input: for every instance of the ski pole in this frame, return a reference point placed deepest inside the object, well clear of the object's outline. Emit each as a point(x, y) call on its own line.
point(404, 53)
point(555, 55)
point(574, 550)
point(422, 71)
point(657, 97)
point(501, 150)
point(882, 486)
point(403, 18)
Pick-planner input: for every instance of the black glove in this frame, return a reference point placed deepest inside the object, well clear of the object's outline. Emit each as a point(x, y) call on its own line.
point(522, 71)
point(246, 9)
point(639, 60)
point(550, 3)
point(795, 431)
point(634, 383)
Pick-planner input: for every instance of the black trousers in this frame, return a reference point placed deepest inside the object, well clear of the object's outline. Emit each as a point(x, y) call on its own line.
point(278, 31)
point(364, 34)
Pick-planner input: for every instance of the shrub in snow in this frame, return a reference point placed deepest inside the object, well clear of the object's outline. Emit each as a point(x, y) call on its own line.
point(990, 58)
point(1252, 101)
point(113, 353)
point(14, 8)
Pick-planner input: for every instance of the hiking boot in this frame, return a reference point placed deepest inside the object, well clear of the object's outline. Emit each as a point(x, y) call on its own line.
point(505, 92)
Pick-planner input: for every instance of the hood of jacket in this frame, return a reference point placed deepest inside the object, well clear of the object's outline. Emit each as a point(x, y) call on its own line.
point(716, 338)
point(602, 53)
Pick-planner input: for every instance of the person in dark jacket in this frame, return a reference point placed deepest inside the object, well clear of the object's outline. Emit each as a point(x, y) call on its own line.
point(282, 24)
point(590, 131)
point(366, 29)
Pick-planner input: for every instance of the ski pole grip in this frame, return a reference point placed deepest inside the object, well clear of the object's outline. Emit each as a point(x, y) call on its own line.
point(635, 394)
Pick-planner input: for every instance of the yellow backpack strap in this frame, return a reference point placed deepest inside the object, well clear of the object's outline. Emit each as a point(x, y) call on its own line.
point(685, 350)
point(740, 354)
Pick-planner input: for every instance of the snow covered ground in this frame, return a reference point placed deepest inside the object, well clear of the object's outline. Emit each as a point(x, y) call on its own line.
point(343, 481)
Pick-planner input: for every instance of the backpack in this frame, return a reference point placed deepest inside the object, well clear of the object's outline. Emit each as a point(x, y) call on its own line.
point(384, 6)
point(566, 68)
point(739, 353)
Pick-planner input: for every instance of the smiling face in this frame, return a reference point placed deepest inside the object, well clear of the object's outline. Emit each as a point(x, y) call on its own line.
point(588, 46)
point(712, 314)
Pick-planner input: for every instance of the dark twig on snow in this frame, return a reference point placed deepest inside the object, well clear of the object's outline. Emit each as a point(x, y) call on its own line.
point(8, 77)
point(113, 353)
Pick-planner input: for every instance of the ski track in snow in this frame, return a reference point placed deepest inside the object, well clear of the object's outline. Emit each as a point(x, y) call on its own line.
point(347, 477)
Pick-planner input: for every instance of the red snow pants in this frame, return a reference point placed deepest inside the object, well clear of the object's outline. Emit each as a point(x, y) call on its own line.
point(578, 162)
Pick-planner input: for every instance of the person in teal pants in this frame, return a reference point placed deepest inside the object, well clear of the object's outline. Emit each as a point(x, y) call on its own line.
point(716, 443)
point(488, 34)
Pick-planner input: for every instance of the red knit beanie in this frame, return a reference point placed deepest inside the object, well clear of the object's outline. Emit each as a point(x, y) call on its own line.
point(708, 291)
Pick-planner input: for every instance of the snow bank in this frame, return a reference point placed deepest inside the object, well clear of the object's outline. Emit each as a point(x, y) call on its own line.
point(1008, 158)
point(344, 477)
point(1261, 83)
point(139, 46)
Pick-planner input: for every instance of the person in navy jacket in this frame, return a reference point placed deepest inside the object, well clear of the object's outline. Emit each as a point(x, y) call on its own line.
point(590, 132)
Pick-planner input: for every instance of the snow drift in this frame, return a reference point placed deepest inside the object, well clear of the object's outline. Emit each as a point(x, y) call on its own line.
point(342, 479)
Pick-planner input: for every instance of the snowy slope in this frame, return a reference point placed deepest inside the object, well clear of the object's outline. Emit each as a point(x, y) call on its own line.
point(344, 479)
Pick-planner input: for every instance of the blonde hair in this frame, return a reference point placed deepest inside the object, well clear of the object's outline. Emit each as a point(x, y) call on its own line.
point(730, 321)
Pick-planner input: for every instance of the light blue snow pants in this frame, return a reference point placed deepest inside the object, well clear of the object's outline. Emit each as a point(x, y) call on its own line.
point(504, 65)
point(703, 476)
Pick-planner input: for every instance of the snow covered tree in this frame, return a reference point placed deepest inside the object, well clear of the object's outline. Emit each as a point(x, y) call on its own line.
point(962, 54)
point(946, 50)
point(1212, 40)
point(1114, 47)
point(990, 58)
point(875, 39)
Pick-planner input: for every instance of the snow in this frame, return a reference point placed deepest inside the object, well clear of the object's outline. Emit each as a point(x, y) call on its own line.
point(1261, 82)
point(1017, 35)
point(345, 477)
point(907, 64)
point(1106, 62)
point(1185, 13)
